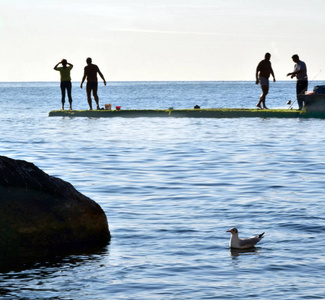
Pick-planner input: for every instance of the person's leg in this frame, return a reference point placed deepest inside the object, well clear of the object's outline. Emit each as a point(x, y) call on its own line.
point(88, 89)
point(305, 88)
point(62, 94)
point(301, 88)
point(69, 87)
point(259, 102)
point(265, 91)
point(95, 90)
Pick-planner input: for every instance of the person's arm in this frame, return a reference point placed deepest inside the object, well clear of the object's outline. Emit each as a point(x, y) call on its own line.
point(102, 76)
point(295, 72)
point(83, 79)
point(256, 75)
point(56, 66)
point(71, 65)
point(272, 73)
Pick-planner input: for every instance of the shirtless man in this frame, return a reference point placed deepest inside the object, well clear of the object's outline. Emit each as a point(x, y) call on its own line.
point(263, 72)
point(90, 72)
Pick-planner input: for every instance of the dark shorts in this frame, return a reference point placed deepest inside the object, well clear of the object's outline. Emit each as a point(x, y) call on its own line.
point(263, 81)
point(92, 85)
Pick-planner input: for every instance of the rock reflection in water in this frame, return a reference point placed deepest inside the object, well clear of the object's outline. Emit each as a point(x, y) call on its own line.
point(25, 259)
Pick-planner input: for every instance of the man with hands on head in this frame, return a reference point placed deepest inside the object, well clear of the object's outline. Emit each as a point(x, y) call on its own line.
point(65, 80)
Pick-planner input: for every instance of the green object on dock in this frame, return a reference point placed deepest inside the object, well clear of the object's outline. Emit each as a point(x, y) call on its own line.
point(189, 113)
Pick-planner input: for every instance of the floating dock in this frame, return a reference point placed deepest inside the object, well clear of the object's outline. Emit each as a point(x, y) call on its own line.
point(190, 113)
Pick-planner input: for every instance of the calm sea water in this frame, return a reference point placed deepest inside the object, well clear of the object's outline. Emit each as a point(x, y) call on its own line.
point(171, 188)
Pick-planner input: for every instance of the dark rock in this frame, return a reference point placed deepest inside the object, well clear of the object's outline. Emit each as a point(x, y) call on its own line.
point(38, 210)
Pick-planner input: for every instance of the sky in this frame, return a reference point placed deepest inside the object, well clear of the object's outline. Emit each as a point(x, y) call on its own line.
point(182, 40)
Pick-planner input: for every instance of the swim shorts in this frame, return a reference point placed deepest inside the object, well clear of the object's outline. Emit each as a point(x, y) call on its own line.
point(264, 81)
point(92, 85)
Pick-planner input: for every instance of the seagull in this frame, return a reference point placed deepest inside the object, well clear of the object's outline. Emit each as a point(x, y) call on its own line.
point(237, 243)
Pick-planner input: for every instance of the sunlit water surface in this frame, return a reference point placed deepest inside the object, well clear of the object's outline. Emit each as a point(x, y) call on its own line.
point(171, 188)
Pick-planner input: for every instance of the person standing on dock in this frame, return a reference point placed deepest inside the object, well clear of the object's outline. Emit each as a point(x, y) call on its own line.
point(90, 72)
point(300, 72)
point(263, 72)
point(65, 80)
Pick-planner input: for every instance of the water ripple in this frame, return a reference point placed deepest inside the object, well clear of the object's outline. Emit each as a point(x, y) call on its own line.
point(170, 189)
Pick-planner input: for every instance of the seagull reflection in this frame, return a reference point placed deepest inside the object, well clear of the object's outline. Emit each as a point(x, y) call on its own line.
point(237, 252)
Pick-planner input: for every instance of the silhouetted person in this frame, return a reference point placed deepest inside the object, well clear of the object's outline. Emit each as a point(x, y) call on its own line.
point(300, 72)
point(263, 72)
point(90, 73)
point(65, 80)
